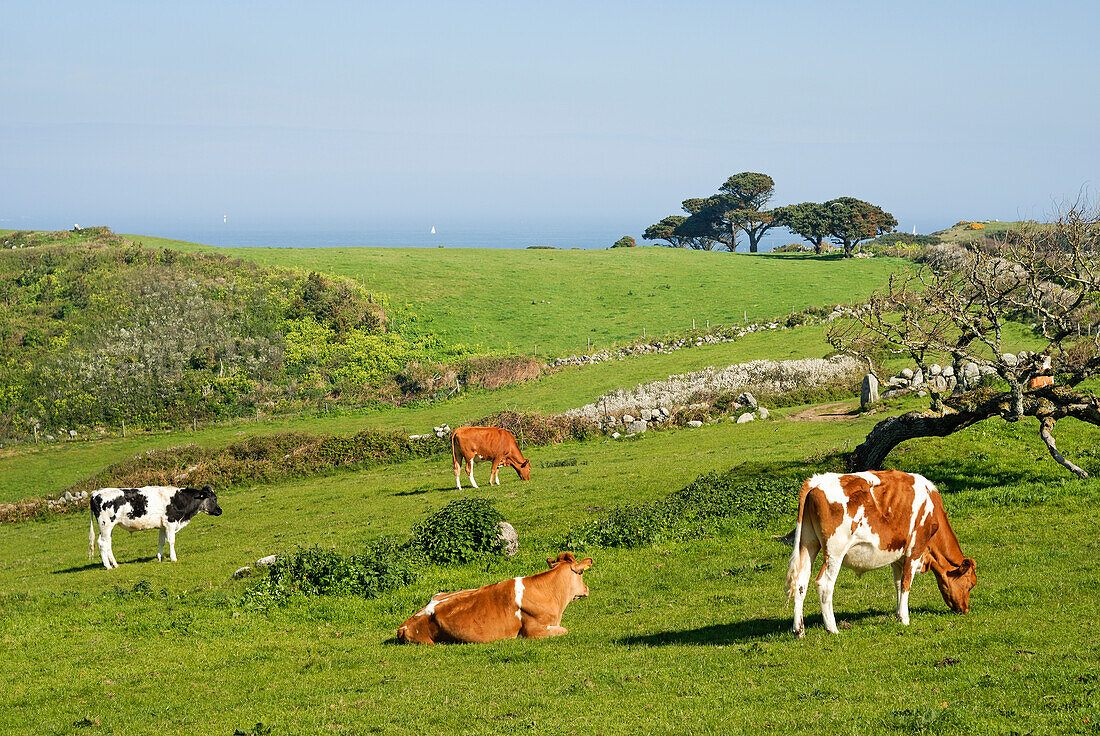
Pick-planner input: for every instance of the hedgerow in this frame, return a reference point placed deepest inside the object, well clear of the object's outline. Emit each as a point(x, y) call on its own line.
point(711, 501)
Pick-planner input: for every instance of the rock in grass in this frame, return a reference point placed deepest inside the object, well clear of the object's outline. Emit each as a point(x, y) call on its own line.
point(510, 537)
point(695, 423)
point(764, 413)
point(242, 572)
point(265, 561)
point(868, 392)
point(636, 427)
point(746, 417)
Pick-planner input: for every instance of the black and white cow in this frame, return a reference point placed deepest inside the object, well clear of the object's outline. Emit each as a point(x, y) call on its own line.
point(167, 508)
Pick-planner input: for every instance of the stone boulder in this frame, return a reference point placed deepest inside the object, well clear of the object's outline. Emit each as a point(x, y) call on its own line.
point(747, 399)
point(868, 392)
point(746, 417)
point(764, 413)
point(511, 539)
point(695, 423)
point(636, 427)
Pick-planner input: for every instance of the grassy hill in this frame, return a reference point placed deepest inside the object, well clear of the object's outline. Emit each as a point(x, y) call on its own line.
point(512, 300)
point(682, 633)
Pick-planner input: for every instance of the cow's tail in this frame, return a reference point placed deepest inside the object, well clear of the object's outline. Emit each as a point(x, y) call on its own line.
point(454, 450)
point(794, 570)
point(91, 533)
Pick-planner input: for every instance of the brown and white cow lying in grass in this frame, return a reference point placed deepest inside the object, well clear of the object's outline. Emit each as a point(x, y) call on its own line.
point(869, 520)
point(487, 443)
point(529, 607)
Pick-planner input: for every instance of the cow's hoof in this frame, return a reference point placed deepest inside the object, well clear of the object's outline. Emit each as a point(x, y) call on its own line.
point(799, 633)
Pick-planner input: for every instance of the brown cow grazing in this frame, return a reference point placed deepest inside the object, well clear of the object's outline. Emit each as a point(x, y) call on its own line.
point(487, 443)
point(530, 607)
point(869, 520)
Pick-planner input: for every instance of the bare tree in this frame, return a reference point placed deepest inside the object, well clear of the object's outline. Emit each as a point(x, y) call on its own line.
point(1043, 274)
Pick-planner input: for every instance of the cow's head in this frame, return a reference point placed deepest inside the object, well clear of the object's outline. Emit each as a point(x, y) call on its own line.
point(208, 500)
point(577, 588)
point(524, 469)
point(955, 584)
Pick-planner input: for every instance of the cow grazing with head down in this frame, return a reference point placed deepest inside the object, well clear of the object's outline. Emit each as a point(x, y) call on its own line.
point(167, 508)
point(486, 443)
point(529, 607)
point(869, 520)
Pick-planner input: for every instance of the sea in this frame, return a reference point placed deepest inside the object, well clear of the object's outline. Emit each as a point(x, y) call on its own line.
point(446, 235)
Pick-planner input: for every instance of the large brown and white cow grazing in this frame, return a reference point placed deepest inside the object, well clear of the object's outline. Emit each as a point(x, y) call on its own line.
point(486, 443)
point(869, 520)
point(529, 607)
point(167, 508)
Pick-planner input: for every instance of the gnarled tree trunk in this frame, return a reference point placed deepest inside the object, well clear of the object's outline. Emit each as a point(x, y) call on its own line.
point(1047, 404)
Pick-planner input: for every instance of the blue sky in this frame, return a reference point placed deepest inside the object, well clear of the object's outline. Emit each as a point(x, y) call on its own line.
point(565, 112)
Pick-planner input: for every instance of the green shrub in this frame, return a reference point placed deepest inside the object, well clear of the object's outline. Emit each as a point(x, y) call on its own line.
point(624, 242)
point(463, 530)
point(712, 500)
point(384, 565)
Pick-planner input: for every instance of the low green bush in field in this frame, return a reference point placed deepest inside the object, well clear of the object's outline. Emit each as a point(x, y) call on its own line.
point(711, 500)
point(384, 565)
point(462, 531)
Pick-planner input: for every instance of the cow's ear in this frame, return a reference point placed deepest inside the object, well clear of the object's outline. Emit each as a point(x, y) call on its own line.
point(551, 561)
point(208, 488)
point(582, 565)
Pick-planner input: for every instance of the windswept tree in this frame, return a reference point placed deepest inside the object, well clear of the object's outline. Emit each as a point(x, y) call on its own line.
point(811, 221)
point(1046, 274)
point(854, 221)
point(666, 230)
point(707, 222)
point(746, 195)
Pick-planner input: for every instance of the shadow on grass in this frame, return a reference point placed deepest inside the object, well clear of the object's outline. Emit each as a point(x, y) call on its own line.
point(98, 564)
point(739, 632)
point(419, 491)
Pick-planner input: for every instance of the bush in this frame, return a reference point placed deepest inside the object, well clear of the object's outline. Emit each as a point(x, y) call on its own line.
point(535, 429)
point(624, 242)
point(464, 530)
point(712, 500)
point(384, 565)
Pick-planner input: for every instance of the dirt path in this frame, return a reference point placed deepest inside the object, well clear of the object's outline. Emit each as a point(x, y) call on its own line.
point(838, 412)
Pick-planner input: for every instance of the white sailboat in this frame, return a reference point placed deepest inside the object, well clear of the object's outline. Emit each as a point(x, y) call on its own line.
point(433, 229)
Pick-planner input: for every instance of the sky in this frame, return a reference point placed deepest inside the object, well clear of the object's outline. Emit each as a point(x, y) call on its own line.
point(563, 114)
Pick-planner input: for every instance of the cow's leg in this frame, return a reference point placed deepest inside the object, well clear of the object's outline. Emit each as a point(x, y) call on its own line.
point(470, 472)
point(826, 581)
point(807, 551)
point(458, 473)
point(495, 472)
point(160, 545)
point(899, 574)
point(105, 547)
point(170, 532)
point(908, 568)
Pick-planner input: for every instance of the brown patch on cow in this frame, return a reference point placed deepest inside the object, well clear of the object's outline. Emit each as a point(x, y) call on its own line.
point(887, 507)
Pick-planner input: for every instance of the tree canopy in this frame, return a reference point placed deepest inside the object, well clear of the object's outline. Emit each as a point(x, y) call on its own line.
point(811, 221)
point(853, 221)
point(747, 194)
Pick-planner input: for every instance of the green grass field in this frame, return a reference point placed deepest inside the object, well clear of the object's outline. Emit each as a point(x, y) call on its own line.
point(677, 637)
point(684, 637)
point(512, 301)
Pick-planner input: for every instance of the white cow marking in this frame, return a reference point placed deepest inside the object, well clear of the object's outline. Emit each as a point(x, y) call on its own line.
point(519, 598)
